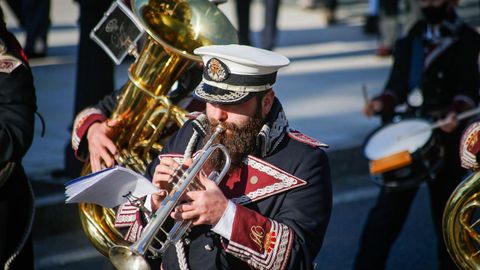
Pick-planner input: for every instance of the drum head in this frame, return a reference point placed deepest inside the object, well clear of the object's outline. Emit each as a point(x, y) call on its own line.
point(406, 135)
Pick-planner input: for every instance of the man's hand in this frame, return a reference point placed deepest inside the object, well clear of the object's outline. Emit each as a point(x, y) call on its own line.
point(163, 178)
point(203, 206)
point(451, 122)
point(100, 144)
point(372, 107)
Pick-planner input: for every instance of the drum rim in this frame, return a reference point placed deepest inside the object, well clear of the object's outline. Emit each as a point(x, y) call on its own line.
point(374, 131)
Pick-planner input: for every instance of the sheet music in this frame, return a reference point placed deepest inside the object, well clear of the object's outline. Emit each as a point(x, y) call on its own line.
point(109, 187)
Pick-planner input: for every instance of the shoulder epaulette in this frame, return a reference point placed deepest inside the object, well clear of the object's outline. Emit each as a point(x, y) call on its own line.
point(298, 136)
point(9, 63)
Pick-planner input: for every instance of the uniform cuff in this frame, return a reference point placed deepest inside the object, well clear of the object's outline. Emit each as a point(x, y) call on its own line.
point(82, 122)
point(225, 225)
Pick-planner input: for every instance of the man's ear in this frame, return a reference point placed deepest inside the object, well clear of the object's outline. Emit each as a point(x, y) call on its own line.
point(267, 102)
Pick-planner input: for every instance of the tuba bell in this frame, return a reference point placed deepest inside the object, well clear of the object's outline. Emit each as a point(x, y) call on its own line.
point(174, 29)
point(460, 223)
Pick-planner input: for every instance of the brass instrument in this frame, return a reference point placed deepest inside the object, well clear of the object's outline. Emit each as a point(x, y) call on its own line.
point(460, 221)
point(132, 257)
point(174, 29)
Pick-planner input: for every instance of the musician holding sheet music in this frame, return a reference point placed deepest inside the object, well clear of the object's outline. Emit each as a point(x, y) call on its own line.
point(435, 72)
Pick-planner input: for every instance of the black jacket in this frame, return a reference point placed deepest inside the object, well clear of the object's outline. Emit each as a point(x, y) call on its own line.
point(17, 109)
point(290, 203)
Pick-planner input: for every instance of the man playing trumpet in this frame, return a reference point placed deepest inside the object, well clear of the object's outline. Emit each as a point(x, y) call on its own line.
point(272, 209)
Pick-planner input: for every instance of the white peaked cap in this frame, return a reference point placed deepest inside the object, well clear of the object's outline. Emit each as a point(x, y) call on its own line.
point(234, 73)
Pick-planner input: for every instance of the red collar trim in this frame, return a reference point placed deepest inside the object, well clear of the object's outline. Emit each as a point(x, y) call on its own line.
point(257, 180)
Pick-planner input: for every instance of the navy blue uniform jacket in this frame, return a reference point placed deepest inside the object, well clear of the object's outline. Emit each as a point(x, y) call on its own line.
point(283, 197)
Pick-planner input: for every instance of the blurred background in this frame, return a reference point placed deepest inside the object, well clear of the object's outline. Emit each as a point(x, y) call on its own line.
point(332, 56)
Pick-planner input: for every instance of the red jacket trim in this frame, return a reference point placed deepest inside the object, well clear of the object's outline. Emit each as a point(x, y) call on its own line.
point(260, 180)
point(298, 136)
point(126, 215)
point(261, 242)
point(82, 122)
point(134, 231)
point(129, 216)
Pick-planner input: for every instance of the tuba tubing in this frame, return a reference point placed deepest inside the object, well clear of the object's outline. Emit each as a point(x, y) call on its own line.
point(459, 222)
point(130, 257)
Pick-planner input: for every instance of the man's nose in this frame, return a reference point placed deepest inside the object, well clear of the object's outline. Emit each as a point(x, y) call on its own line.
point(219, 114)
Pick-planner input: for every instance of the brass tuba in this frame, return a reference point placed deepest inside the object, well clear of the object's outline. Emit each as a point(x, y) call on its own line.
point(174, 29)
point(460, 223)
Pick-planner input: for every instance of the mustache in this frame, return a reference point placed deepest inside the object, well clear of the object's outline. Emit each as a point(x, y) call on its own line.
point(240, 141)
point(226, 126)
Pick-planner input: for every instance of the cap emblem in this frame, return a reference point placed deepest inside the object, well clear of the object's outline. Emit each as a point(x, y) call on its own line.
point(216, 70)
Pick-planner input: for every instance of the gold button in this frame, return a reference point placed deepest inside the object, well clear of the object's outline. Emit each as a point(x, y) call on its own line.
point(253, 179)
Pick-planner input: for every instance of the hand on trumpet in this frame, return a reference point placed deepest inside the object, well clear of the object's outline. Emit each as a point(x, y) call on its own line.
point(100, 145)
point(164, 173)
point(202, 206)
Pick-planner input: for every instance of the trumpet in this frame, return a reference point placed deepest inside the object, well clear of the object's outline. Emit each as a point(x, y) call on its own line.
point(133, 256)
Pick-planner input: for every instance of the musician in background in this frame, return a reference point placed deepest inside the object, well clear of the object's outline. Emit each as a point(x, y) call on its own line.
point(93, 132)
point(17, 109)
point(435, 72)
point(272, 209)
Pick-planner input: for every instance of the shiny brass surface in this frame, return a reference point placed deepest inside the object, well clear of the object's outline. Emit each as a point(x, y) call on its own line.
point(182, 26)
point(146, 115)
point(461, 220)
point(133, 256)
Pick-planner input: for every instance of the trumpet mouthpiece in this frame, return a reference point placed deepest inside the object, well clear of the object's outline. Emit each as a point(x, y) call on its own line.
point(219, 128)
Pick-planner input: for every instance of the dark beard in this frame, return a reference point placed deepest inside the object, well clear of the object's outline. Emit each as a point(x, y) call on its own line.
point(240, 141)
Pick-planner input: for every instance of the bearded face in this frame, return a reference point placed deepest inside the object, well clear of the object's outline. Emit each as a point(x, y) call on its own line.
point(239, 140)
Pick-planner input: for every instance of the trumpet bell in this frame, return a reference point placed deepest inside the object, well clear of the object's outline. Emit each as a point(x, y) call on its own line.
point(123, 258)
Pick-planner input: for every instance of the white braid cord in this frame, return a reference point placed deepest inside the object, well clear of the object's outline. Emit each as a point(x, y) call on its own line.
point(189, 149)
point(182, 259)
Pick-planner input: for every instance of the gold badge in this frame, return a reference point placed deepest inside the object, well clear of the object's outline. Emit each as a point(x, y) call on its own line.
point(217, 70)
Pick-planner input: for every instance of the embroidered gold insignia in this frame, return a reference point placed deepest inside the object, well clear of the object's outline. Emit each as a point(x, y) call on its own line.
point(257, 234)
point(216, 70)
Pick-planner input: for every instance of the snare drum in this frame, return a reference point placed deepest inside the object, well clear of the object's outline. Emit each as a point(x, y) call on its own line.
point(403, 154)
